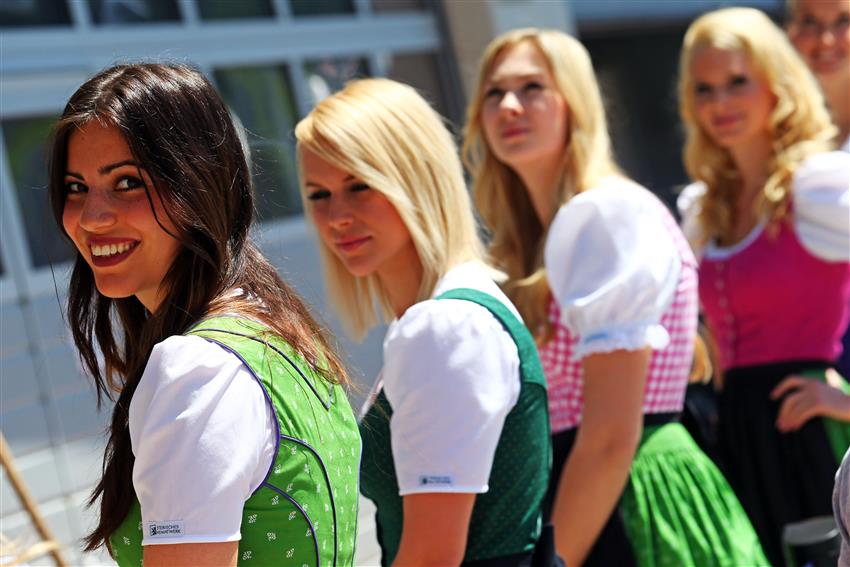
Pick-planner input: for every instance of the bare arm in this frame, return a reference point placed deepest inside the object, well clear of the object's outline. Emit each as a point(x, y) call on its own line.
point(221, 554)
point(435, 529)
point(598, 466)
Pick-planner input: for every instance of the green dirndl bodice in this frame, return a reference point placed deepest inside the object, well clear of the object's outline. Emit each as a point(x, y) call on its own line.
point(305, 513)
point(506, 520)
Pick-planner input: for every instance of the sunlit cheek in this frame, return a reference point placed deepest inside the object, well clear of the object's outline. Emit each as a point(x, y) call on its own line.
point(320, 221)
point(71, 220)
point(701, 113)
point(487, 125)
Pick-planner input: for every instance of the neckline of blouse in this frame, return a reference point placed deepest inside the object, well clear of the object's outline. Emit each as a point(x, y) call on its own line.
point(716, 252)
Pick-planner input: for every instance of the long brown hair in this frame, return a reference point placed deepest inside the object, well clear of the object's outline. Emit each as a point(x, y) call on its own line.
point(180, 131)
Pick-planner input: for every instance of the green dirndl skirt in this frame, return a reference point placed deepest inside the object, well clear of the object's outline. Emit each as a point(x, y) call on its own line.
point(678, 509)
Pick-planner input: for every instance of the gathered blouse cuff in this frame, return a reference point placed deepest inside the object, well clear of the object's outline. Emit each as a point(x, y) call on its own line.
point(633, 337)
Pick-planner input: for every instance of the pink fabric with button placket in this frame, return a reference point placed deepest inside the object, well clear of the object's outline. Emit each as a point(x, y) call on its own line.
point(770, 300)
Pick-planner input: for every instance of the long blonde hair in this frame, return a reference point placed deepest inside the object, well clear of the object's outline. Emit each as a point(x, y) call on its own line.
point(799, 124)
point(517, 234)
point(386, 135)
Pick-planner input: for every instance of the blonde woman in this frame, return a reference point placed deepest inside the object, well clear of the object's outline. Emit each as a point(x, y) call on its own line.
point(820, 30)
point(604, 278)
point(456, 437)
point(769, 215)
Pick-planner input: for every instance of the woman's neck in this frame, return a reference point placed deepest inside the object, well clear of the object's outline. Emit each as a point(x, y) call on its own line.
point(752, 162)
point(402, 284)
point(541, 183)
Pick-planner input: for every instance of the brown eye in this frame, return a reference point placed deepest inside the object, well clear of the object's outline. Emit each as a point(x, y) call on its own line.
point(74, 187)
point(129, 183)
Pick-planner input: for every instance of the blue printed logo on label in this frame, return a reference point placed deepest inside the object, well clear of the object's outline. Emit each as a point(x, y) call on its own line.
point(172, 528)
point(441, 480)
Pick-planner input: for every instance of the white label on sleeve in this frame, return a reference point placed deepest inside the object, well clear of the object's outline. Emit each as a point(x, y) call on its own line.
point(436, 480)
point(172, 528)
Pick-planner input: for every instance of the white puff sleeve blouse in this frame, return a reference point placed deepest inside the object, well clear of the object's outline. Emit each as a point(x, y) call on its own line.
point(821, 197)
point(203, 437)
point(451, 375)
point(613, 268)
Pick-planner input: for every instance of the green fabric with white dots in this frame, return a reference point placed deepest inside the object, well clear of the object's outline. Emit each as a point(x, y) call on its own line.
point(305, 513)
point(678, 509)
point(505, 520)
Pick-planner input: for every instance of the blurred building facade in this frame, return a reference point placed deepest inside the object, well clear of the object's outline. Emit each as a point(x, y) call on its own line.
point(271, 60)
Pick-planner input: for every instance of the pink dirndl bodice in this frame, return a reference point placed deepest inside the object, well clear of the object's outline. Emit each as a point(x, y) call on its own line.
point(669, 367)
point(771, 300)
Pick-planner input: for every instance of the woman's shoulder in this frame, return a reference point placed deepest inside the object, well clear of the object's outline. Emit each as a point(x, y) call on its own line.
point(613, 202)
point(184, 357)
point(445, 325)
point(614, 191)
point(190, 350)
point(478, 276)
point(821, 199)
point(441, 321)
point(616, 205)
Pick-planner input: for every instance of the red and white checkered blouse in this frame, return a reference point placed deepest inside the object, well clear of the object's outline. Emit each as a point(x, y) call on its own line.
point(668, 368)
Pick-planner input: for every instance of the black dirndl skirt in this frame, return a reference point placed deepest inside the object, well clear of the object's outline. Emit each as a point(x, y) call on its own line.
point(779, 478)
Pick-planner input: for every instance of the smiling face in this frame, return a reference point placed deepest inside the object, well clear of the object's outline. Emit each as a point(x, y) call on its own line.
point(523, 115)
point(109, 218)
point(357, 223)
point(732, 102)
point(821, 33)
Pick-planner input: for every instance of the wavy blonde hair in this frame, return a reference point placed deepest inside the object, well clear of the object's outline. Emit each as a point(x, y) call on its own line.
point(518, 236)
point(386, 135)
point(799, 125)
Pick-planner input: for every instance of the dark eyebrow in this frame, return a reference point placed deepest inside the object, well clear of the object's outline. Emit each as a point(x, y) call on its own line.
point(107, 168)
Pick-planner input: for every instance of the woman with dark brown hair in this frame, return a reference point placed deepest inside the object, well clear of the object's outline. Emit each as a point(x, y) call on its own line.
point(229, 401)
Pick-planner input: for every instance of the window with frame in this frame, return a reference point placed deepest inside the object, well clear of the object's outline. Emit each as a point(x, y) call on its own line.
point(321, 7)
point(121, 12)
point(423, 72)
point(26, 147)
point(233, 10)
point(328, 75)
point(30, 13)
point(263, 100)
